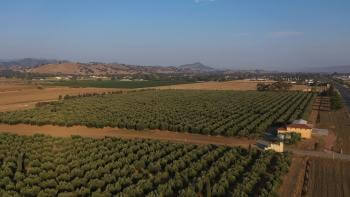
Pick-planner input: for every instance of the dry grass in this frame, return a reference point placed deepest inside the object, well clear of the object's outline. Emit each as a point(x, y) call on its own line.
point(7, 85)
point(17, 94)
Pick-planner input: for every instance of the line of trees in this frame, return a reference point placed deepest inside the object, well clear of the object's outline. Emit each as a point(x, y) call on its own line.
point(277, 86)
point(335, 98)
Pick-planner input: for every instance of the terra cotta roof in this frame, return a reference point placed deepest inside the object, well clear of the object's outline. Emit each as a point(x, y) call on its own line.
point(299, 126)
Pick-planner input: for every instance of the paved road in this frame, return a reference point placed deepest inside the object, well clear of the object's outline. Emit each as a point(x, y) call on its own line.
point(326, 155)
point(345, 92)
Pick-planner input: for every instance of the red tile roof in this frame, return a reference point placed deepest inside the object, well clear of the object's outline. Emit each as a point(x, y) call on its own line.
point(282, 129)
point(299, 126)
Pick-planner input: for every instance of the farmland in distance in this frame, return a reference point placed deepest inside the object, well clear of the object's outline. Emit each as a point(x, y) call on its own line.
point(18, 94)
point(116, 83)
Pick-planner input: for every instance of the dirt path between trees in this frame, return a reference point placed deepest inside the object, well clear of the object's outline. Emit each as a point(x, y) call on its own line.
point(293, 181)
point(23, 129)
point(57, 131)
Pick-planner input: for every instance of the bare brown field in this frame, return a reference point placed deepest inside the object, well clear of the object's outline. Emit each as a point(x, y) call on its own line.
point(328, 178)
point(16, 94)
point(227, 85)
point(23, 129)
point(294, 179)
point(7, 85)
point(213, 85)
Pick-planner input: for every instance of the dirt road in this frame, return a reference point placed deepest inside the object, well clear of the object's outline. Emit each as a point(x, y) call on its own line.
point(57, 131)
point(293, 181)
point(320, 154)
point(23, 129)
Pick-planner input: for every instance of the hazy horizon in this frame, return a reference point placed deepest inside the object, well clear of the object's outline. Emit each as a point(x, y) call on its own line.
point(280, 35)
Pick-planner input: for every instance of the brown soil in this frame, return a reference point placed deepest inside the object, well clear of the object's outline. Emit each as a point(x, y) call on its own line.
point(293, 180)
point(330, 141)
point(12, 85)
point(309, 144)
point(57, 131)
point(328, 178)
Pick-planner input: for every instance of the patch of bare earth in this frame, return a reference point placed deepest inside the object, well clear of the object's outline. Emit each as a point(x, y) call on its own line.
point(13, 85)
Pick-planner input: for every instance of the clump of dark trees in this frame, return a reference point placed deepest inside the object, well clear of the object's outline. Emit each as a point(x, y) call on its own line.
point(277, 86)
point(7, 73)
point(294, 138)
point(335, 98)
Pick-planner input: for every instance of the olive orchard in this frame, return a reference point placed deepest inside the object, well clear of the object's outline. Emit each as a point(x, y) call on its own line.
point(46, 166)
point(227, 113)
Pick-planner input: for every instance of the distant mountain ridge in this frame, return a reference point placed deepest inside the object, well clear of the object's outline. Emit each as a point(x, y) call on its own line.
point(196, 67)
point(45, 66)
point(29, 62)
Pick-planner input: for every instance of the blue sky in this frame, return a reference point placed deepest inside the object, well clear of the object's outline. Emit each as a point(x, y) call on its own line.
point(281, 34)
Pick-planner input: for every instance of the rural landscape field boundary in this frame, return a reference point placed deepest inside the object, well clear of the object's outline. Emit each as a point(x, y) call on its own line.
point(57, 131)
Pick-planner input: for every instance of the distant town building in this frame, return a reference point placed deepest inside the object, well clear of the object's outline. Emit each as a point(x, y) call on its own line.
point(125, 80)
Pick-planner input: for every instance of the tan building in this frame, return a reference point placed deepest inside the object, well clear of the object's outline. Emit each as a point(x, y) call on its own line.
point(304, 130)
point(278, 146)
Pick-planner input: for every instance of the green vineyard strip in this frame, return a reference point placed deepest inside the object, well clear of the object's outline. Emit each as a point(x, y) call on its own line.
point(46, 166)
